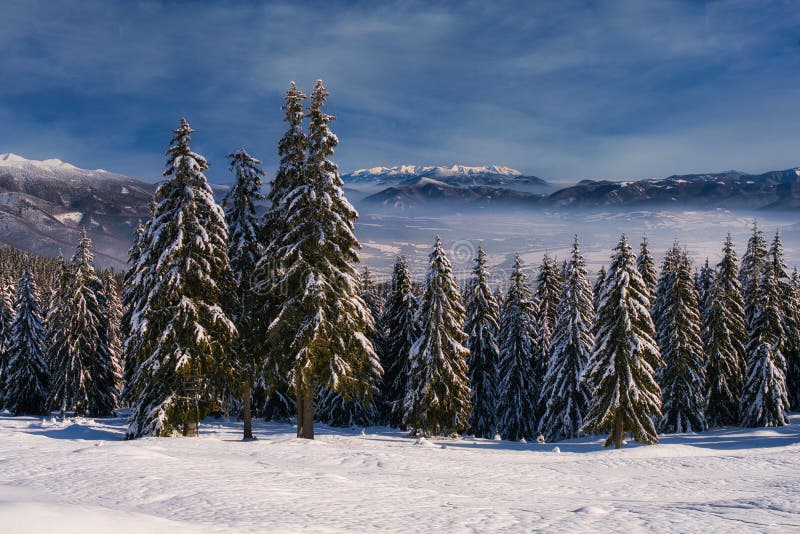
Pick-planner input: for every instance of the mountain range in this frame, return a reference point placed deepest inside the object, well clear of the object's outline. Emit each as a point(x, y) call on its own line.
point(44, 204)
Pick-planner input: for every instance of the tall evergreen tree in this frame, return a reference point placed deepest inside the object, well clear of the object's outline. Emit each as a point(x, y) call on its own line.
point(186, 333)
point(621, 372)
point(27, 376)
point(481, 327)
point(6, 320)
point(764, 399)
point(565, 398)
point(683, 381)
point(752, 269)
point(321, 324)
point(517, 376)
point(598, 287)
point(399, 319)
point(646, 266)
point(704, 283)
point(244, 251)
point(438, 395)
point(84, 376)
point(113, 318)
point(790, 319)
point(724, 334)
point(279, 403)
point(545, 298)
point(133, 301)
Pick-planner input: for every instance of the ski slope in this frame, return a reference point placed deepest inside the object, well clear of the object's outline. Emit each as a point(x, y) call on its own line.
point(78, 476)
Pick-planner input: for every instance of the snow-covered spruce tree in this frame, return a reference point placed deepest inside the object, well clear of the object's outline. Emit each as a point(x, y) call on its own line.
point(764, 399)
point(27, 376)
point(704, 281)
point(438, 395)
point(113, 318)
point(793, 363)
point(790, 319)
point(133, 301)
point(724, 336)
point(336, 409)
point(621, 372)
point(273, 380)
point(564, 397)
point(683, 381)
point(481, 327)
point(244, 251)
point(545, 298)
point(598, 287)
point(399, 319)
point(666, 280)
point(647, 268)
point(321, 325)
point(6, 320)
point(84, 376)
point(185, 332)
point(752, 268)
point(518, 388)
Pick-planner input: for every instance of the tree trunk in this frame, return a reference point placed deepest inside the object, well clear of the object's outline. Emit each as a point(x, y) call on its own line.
point(248, 422)
point(308, 413)
point(619, 431)
point(299, 410)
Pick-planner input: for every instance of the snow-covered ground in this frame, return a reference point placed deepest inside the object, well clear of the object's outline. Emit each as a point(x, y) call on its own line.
point(78, 476)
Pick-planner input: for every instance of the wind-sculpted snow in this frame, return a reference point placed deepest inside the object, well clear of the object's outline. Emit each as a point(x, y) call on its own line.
point(80, 476)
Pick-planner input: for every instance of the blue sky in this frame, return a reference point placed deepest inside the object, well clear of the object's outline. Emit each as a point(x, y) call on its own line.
point(562, 89)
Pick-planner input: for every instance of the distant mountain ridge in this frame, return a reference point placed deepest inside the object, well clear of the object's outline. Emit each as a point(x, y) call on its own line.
point(732, 189)
point(459, 175)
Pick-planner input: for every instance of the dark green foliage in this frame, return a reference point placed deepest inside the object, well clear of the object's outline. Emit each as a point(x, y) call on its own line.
point(438, 395)
point(565, 397)
point(481, 327)
point(724, 336)
point(517, 376)
point(621, 372)
point(399, 319)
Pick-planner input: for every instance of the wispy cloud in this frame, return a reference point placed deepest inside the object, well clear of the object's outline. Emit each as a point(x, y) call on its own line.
point(560, 89)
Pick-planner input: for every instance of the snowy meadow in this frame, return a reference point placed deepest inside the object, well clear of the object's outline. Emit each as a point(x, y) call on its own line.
point(79, 476)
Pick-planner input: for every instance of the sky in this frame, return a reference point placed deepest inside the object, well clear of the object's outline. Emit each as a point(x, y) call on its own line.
point(559, 89)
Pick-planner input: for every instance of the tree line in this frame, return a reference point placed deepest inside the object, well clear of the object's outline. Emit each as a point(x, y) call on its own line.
point(226, 310)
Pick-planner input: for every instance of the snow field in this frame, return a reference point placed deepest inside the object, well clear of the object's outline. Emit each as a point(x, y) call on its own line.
point(78, 476)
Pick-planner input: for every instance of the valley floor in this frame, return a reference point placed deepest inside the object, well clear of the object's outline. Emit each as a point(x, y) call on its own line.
point(79, 476)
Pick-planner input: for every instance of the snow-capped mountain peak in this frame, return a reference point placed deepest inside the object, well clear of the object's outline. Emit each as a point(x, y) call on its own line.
point(433, 170)
point(14, 160)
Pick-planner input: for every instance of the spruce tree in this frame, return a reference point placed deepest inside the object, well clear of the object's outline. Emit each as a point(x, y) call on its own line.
point(621, 372)
point(6, 320)
point(133, 301)
point(185, 276)
point(113, 318)
point(647, 268)
point(683, 381)
point(752, 269)
point(517, 372)
point(321, 325)
point(399, 319)
point(764, 399)
point(565, 398)
point(336, 409)
point(790, 319)
point(84, 375)
point(599, 286)
point(27, 378)
point(274, 381)
point(724, 335)
point(704, 281)
point(438, 395)
point(545, 299)
point(481, 327)
point(244, 251)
